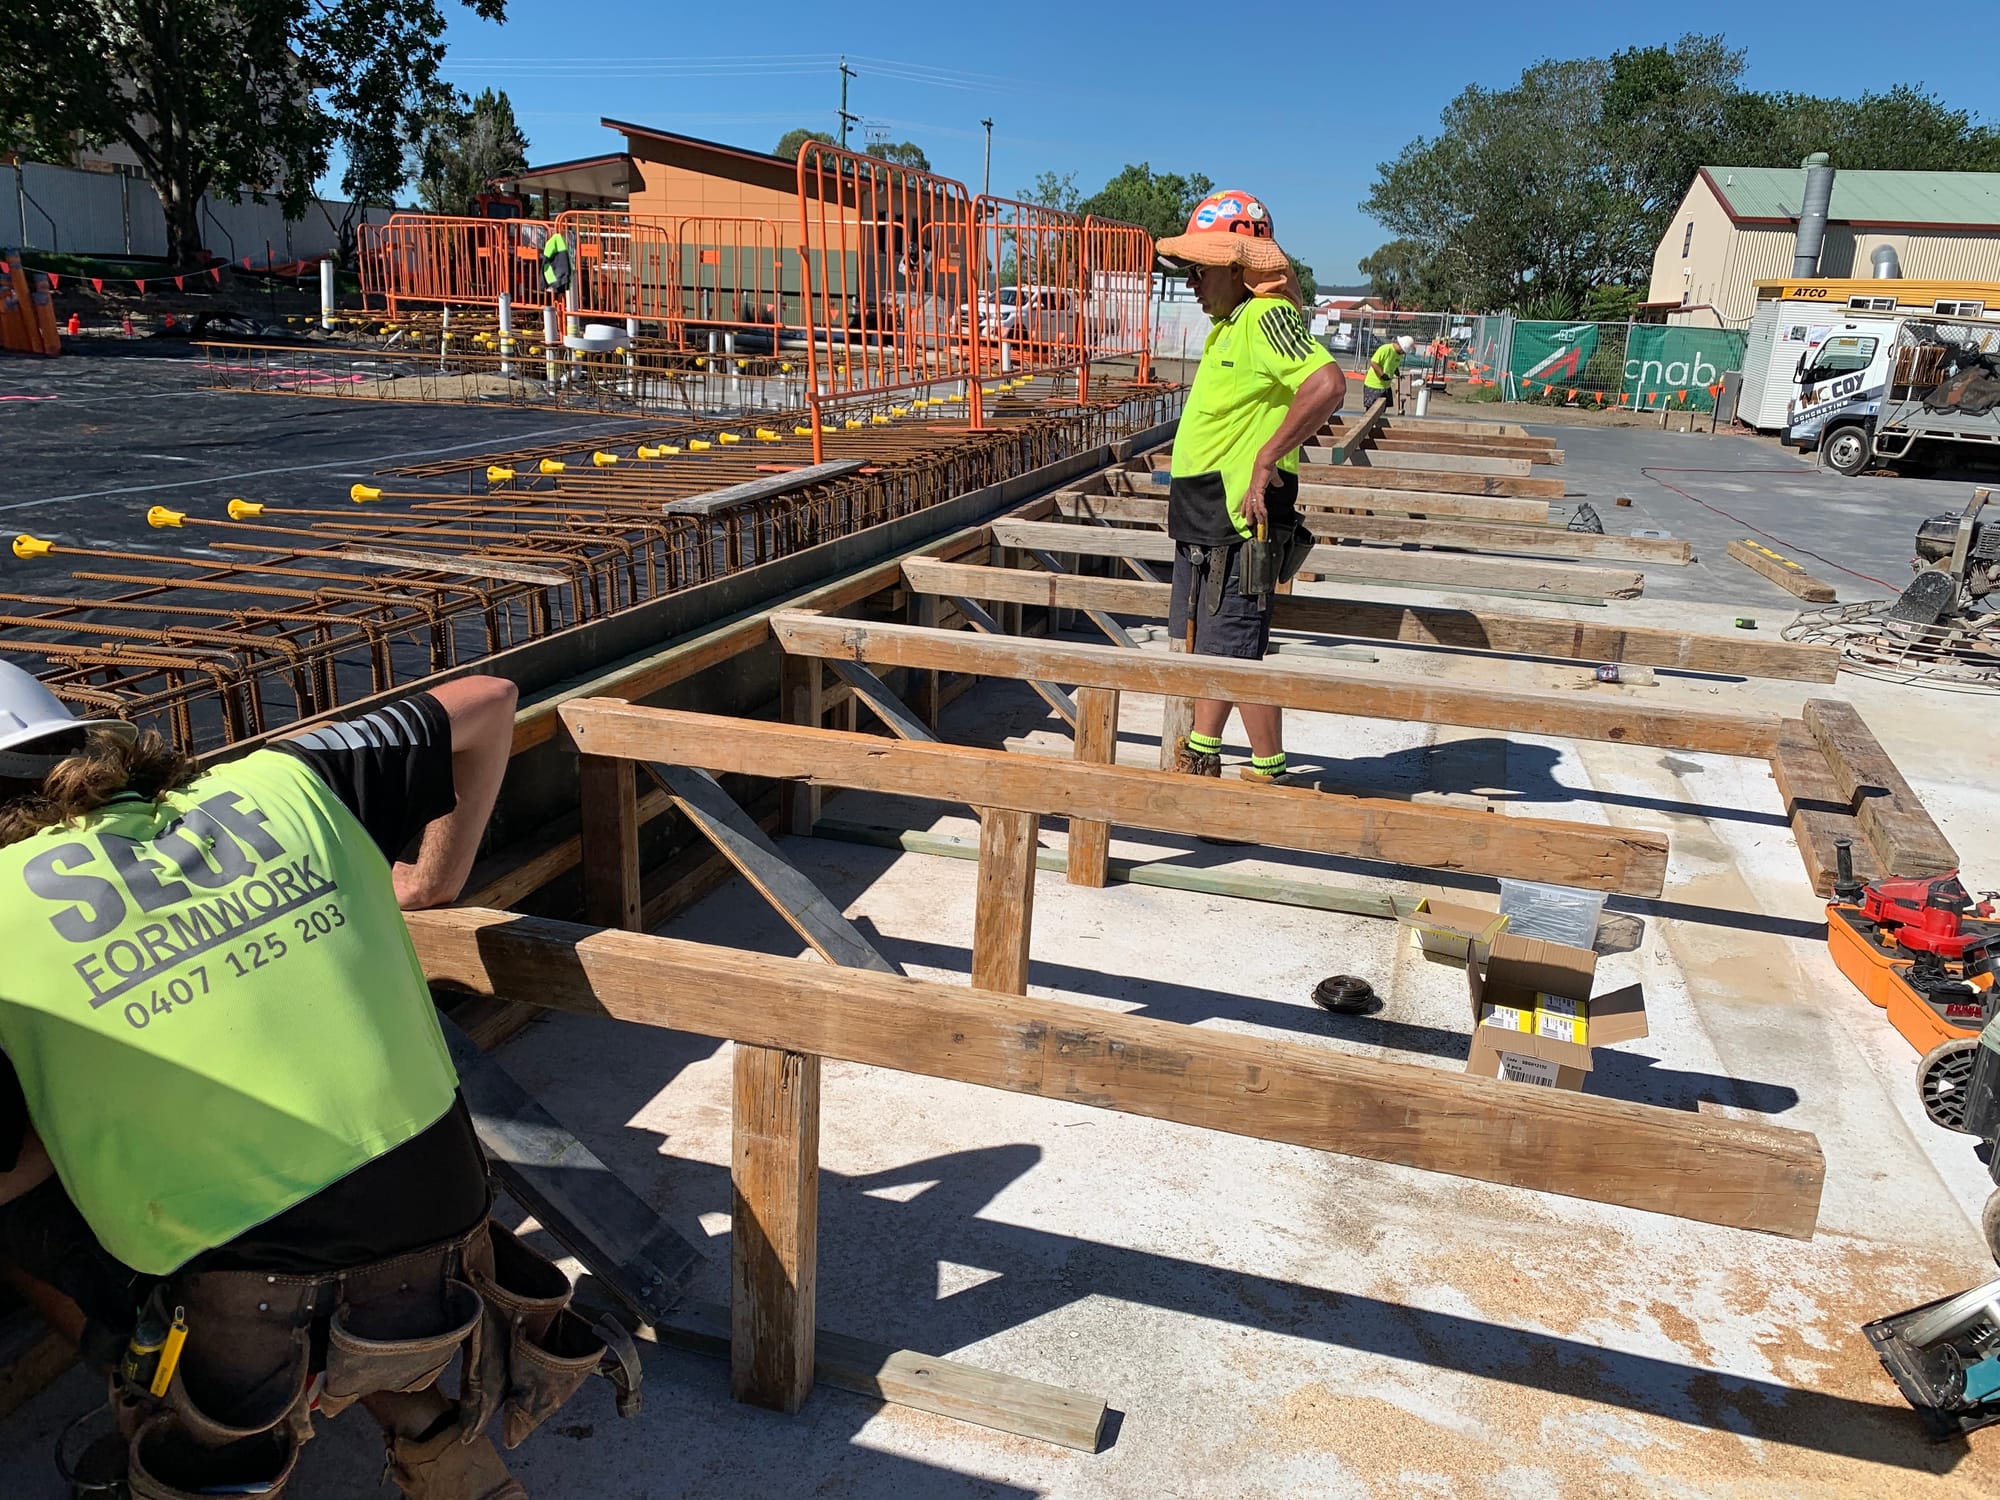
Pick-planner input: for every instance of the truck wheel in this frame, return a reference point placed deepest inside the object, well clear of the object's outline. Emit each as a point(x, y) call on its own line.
point(1846, 450)
point(1989, 1221)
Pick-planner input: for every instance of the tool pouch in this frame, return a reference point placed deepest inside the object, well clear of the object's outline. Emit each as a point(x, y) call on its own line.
point(534, 1351)
point(168, 1461)
point(248, 1358)
point(1257, 572)
point(401, 1338)
point(1298, 547)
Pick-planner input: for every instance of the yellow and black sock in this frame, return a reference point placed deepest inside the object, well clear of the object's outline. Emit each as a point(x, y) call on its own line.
point(1206, 744)
point(1269, 765)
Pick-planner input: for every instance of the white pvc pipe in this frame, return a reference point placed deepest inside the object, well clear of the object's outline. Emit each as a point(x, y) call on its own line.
point(506, 334)
point(326, 293)
point(551, 343)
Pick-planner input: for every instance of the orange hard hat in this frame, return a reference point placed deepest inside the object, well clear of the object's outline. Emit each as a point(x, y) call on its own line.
point(1228, 228)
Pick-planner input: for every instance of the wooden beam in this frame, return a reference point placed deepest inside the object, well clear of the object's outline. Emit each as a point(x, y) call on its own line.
point(1325, 489)
point(1747, 1175)
point(740, 841)
point(770, 487)
point(1466, 448)
point(922, 1382)
point(879, 697)
point(1420, 463)
point(1473, 536)
point(610, 842)
point(1097, 745)
point(1004, 911)
point(1452, 425)
point(1404, 569)
point(799, 702)
point(1593, 857)
point(1356, 437)
point(1453, 629)
point(985, 624)
point(1319, 689)
point(774, 1224)
point(1888, 809)
point(1819, 813)
point(1781, 570)
point(1436, 482)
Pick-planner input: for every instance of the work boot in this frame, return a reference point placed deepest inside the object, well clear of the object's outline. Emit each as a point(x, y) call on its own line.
point(441, 1467)
point(1196, 762)
point(1259, 777)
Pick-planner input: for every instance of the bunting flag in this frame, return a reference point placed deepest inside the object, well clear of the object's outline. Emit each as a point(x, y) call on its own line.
point(180, 285)
point(216, 272)
point(1623, 396)
point(97, 283)
point(1683, 395)
point(1600, 398)
point(1548, 390)
point(139, 283)
point(1572, 393)
point(55, 281)
point(1649, 397)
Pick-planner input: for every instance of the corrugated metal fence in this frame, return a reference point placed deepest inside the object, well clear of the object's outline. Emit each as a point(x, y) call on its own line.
point(74, 212)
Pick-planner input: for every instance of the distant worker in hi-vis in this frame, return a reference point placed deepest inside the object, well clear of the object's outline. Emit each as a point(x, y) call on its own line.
point(1264, 386)
point(230, 1132)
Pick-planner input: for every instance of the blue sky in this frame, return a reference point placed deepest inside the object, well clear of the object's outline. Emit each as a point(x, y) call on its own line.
point(1294, 102)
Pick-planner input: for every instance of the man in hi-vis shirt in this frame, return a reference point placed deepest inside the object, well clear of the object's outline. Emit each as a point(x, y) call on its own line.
point(1264, 386)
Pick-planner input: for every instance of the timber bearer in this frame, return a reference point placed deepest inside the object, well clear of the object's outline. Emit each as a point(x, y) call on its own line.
point(1385, 374)
point(1264, 386)
point(226, 1103)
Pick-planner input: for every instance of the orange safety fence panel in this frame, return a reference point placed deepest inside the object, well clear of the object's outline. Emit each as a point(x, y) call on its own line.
point(1029, 262)
point(740, 282)
point(888, 280)
point(622, 266)
point(1118, 298)
point(433, 258)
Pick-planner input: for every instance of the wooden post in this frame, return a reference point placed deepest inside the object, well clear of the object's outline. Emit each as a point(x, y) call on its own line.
point(610, 846)
point(1176, 714)
point(774, 1234)
point(928, 609)
point(1004, 913)
point(799, 702)
point(1096, 743)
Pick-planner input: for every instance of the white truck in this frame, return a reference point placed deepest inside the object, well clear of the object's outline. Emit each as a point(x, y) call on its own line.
point(1879, 389)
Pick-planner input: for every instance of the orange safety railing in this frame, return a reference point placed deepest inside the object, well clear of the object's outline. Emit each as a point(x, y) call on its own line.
point(739, 278)
point(452, 261)
point(620, 266)
point(888, 280)
point(1031, 286)
point(1118, 295)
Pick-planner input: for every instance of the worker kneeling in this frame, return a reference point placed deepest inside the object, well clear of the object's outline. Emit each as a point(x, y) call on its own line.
point(236, 1138)
point(1263, 387)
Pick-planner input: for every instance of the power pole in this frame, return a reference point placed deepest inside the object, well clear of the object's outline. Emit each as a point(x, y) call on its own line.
point(986, 177)
point(845, 118)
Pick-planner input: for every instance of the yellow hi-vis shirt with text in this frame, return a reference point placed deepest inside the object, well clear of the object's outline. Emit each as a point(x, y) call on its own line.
point(1252, 365)
point(213, 1006)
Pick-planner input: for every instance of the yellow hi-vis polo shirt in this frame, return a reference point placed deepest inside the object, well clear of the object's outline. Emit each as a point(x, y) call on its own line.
point(1386, 360)
point(1252, 365)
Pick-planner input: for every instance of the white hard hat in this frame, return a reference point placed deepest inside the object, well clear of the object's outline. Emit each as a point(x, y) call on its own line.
point(30, 712)
point(1405, 342)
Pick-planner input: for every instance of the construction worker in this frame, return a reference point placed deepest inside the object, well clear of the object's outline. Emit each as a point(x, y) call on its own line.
point(227, 1105)
point(1385, 373)
point(555, 263)
point(1263, 387)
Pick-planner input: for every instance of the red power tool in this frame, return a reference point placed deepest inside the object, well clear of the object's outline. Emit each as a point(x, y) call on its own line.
point(1925, 950)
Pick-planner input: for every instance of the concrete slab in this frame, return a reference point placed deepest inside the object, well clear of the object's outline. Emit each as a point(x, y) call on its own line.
point(1271, 1322)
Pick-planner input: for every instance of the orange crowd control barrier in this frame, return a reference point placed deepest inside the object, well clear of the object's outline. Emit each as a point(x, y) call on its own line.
point(621, 266)
point(1031, 288)
point(431, 258)
point(887, 280)
point(1118, 291)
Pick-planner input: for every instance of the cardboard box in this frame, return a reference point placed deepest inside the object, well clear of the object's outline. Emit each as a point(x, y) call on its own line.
point(1551, 984)
point(1449, 933)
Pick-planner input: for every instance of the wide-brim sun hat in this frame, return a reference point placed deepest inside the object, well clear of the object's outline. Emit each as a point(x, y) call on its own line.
point(1228, 229)
point(29, 713)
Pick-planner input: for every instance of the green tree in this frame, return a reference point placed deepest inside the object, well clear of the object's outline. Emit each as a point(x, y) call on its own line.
point(462, 148)
point(1308, 283)
point(237, 97)
point(1404, 272)
point(906, 153)
point(1161, 201)
point(1053, 191)
point(789, 143)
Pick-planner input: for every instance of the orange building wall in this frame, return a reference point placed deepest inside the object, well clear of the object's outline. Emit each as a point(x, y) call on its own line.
point(674, 182)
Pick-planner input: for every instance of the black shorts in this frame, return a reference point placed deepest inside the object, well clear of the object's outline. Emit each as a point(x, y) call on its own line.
point(1240, 626)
